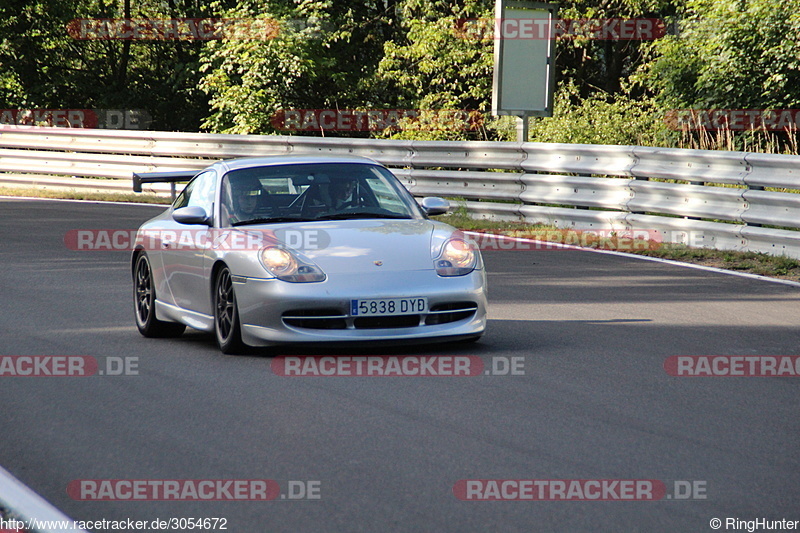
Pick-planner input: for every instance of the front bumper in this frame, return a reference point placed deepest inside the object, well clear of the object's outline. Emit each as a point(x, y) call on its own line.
point(277, 312)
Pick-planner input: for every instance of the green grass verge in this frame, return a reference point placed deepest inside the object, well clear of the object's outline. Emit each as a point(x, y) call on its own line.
point(73, 194)
point(467, 223)
point(752, 262)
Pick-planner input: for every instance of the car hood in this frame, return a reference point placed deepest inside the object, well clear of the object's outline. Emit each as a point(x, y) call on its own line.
point(363, 245)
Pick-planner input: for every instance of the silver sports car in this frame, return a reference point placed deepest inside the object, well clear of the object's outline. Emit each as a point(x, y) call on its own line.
point(291, 249)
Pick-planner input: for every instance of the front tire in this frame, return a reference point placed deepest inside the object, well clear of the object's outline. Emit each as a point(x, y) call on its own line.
point(227, 326)
point(144, 302)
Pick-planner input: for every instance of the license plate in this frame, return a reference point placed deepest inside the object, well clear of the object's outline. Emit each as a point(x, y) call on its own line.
point(388, 306)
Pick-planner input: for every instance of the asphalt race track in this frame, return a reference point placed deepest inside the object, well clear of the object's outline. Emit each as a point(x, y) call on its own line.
point(383, 453)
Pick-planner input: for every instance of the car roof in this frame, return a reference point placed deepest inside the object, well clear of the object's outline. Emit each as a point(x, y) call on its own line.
point(252, 162)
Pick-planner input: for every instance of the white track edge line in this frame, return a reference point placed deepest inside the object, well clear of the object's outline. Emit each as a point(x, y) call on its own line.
point(647, 258)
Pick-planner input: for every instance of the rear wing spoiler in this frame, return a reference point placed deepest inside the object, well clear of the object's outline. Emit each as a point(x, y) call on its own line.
point(170, 177)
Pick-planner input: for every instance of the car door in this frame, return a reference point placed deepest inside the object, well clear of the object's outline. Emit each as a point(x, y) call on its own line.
point(184, 250)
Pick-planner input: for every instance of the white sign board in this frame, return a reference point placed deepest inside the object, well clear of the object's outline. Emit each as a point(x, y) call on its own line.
point(524, 57)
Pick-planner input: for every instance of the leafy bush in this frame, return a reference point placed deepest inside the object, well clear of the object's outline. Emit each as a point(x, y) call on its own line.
point(603, 119)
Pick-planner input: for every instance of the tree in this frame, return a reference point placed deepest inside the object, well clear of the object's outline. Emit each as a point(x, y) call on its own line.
point(324, 56)
point(436, 65)
point(43, 66)
point(604, 64)
point(730, 54)
point(603, 119)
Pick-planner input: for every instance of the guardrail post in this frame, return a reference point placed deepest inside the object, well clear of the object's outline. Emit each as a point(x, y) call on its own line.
point(523, 128)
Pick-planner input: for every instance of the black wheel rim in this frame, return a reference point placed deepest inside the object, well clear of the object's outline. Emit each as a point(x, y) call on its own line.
point(226, 305)
point(144, 291)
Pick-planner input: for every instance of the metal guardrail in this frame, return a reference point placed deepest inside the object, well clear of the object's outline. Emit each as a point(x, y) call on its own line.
point(702, 198)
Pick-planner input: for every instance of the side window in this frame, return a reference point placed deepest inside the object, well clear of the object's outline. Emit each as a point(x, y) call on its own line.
point(202, 195)
point(183, 198)
point(199, 192)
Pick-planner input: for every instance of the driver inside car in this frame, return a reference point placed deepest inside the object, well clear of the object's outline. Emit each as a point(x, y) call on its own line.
point(343, 194)
point(330, 195)
point(242, 199)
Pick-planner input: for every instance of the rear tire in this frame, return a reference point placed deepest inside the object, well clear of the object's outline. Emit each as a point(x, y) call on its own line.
point(227, 327)
point(144, 302)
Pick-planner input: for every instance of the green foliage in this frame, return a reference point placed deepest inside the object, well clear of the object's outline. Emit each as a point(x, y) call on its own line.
point(74, 194)
point(447, 125)
point(360, 55)
point(603, 65)
point(731, 54)
point(602, 119)
point(35, 53)
point(324, 57)
point(409, 54)
point(42, 66)
point(753, 262)
point(435, 67)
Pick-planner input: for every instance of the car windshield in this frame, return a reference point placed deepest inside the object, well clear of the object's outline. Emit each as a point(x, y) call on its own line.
point(308, 192)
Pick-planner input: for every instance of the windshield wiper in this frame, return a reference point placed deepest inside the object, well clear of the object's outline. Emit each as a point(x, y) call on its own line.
point(345, 216)
point(271, 220)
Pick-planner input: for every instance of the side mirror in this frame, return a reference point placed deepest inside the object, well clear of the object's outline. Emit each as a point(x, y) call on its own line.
point(191, 215)
point(433, 205)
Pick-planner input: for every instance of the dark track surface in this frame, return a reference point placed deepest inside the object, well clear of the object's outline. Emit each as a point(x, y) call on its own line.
point(595, 402)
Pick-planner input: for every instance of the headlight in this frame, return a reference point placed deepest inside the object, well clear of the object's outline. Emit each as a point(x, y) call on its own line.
point(457, 258)
point(289, 266)
point(278, 261)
